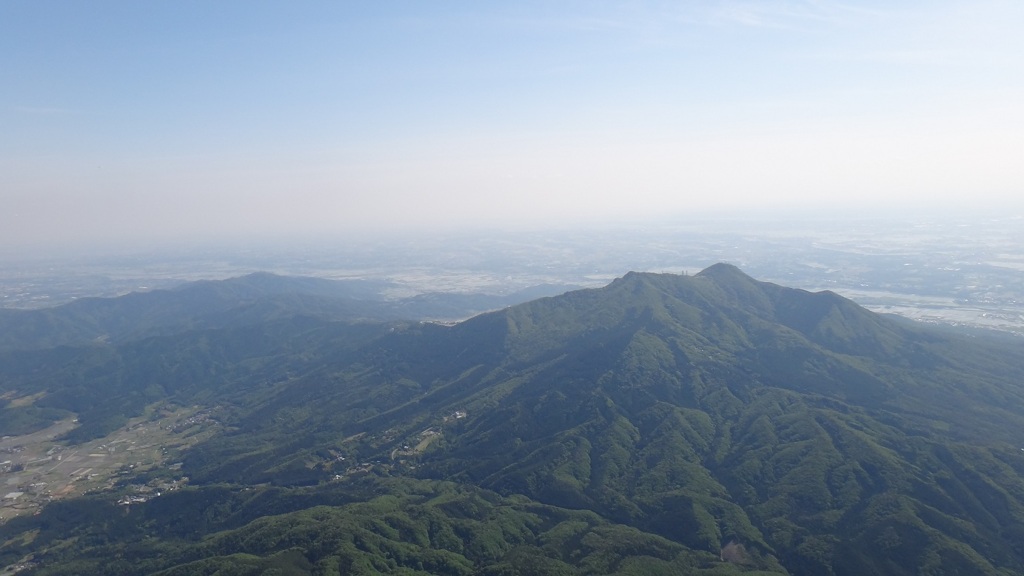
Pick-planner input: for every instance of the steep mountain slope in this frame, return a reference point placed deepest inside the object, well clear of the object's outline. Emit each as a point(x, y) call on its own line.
point(713, 409)
point(732, 425)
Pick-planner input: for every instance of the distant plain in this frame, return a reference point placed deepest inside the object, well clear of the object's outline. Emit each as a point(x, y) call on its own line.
point(951, 270)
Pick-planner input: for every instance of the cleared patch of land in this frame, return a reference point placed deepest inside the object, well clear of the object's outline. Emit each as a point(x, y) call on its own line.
point(36, 468)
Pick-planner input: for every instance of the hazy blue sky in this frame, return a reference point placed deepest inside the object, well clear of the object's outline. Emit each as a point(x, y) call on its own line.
point(138, 120)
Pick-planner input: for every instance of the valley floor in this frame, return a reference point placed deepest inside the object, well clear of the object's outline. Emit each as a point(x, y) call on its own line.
point(36, 468)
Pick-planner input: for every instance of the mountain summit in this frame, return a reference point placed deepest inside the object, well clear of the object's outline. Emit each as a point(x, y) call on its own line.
point(712, 409)
point(715, 424)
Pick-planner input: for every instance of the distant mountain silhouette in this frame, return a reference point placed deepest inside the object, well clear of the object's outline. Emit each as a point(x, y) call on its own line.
point(246, 300)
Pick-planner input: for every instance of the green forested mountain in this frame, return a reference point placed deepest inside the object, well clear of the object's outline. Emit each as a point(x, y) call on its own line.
point(193, 305)
point(707, 424)
point(244, 301)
